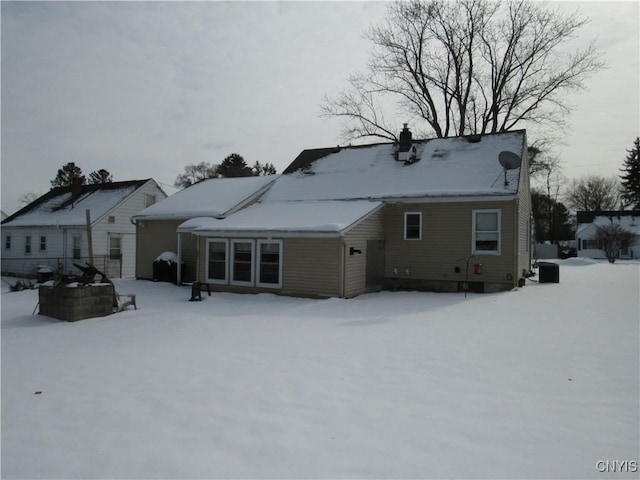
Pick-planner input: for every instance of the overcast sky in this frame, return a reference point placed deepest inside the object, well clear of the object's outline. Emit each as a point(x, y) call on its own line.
point(144, 88)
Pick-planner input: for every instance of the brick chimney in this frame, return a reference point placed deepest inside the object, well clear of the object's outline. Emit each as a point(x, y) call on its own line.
point(405, 139)
point(76, 187)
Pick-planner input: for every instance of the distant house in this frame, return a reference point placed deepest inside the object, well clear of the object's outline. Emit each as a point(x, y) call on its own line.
point(588, 246)
point(52, 231)
point(160, 227)
point(443, 214)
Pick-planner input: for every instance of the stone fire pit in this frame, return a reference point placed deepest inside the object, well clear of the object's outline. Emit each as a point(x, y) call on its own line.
point(75, 301)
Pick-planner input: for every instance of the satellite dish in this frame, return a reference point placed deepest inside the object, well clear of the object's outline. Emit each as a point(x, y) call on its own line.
point(509, 160)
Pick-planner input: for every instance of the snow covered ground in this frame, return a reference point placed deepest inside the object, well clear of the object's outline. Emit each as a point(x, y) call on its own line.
point(537, 383)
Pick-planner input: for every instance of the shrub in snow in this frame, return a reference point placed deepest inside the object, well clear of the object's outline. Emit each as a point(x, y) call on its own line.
point(612, 239)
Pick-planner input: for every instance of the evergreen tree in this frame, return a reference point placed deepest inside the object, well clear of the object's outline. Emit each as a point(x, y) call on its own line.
point(631, 177)
point(66, 174)
point(100, 177)
point(234, 166)
point(551, 218)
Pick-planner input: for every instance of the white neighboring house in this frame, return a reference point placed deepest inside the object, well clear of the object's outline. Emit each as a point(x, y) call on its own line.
point(587, 246)
point(52, 230)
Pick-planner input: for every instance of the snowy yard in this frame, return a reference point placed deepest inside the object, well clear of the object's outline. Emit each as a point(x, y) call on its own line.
point(537, 383)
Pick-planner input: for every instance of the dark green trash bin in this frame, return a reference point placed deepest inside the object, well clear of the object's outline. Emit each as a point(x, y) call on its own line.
point(548, 272)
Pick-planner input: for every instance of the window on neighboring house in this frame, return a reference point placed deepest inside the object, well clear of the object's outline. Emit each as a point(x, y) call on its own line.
point(111, 219)
point(591, 245)
point(43, 243)
point(27, 244)
point(115, 247)
point(7, 242)
point(242, 262)
point(486, 232)
point(149, 199)
point(412, 225)
point(270, 263)
point(77, 251)
point(217, 255)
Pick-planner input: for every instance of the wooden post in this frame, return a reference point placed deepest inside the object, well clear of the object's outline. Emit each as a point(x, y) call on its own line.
point(89, 239)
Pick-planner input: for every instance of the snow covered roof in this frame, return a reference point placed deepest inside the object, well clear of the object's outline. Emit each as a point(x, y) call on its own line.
point(215, 197)
point(443, 167)
point(627, 219)
point(281, 218)
point(61, 207)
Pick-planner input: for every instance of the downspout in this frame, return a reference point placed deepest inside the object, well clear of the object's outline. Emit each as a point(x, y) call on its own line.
point(343, 273)
point(179, 266)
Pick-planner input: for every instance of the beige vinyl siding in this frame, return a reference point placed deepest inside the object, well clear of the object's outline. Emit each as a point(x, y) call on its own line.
point(524, 221)
point(189, 256)
point(446, 243)
point(153, 238)
point(356, 265)
point(312, 266)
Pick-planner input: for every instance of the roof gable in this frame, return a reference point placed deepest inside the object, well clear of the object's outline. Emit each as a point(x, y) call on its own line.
point(215, 197)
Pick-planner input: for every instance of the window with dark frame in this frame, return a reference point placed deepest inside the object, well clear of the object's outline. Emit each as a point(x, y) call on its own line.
point(412, 225)
point(27, 244)
point(7, 242)
point(43, 243)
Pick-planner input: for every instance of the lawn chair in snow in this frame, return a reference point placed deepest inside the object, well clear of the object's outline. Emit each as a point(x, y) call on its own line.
point(196, 291)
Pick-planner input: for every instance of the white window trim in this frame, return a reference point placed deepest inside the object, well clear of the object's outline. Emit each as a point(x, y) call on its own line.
point(250, 283)
point(110, 247)
point(473, 232)
point(28, 245)
point(404, 234)
point(40, 237)
point(226, 262)
point(258, 263)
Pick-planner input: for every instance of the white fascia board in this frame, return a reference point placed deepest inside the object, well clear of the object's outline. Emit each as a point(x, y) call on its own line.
point(452, 199)
point(267, 234)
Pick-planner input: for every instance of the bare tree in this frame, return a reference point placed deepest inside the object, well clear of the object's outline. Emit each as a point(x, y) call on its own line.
point(466, 67)
point(195, 173)
point(27, 198)
point(593, 193)
point(612, 238)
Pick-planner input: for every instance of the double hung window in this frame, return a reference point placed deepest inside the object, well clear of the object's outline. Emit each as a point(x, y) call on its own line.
point(43, 243)
point(413, 226)
point(486, 232)
point(115, 247)
point(217, 253)
point(27, 244)
point(242, 262)
point(77, 250)
point(269, 263)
